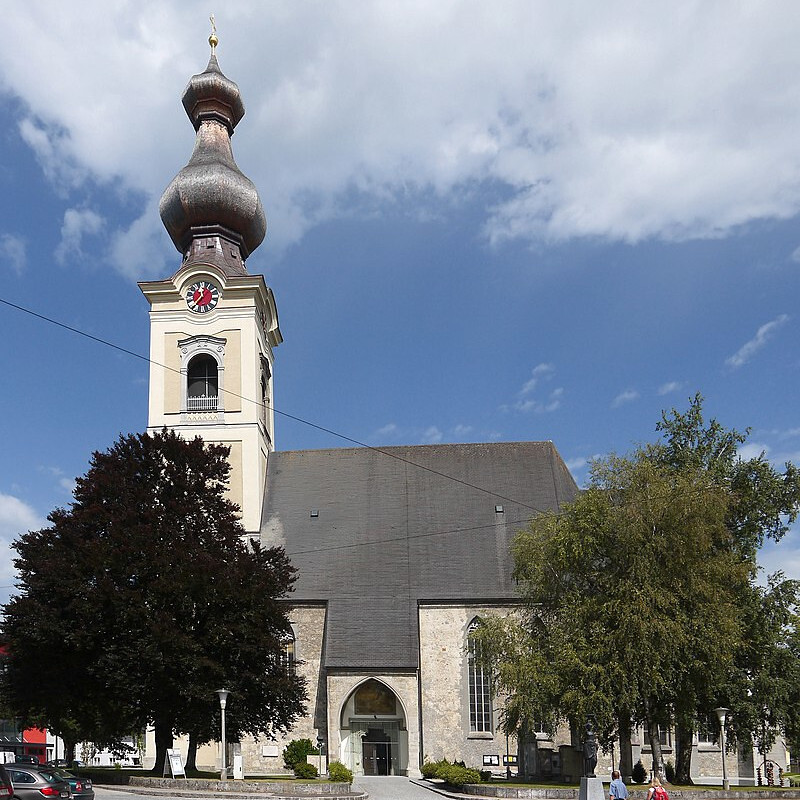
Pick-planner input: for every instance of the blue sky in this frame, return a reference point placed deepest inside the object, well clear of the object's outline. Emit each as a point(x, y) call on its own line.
point(511, 221)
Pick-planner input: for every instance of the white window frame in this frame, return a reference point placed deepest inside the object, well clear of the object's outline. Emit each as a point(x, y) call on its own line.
point(213, 346)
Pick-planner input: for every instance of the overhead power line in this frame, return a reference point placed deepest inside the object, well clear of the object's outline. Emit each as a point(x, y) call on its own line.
point(285, 414)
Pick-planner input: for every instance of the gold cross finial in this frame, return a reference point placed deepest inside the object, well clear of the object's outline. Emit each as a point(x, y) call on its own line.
point(212, 40)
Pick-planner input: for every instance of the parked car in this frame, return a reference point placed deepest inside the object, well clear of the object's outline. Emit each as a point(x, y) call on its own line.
point(24, 758)
point(57, 763)
point(6, 787)
point(81, 787)
point(35, 783)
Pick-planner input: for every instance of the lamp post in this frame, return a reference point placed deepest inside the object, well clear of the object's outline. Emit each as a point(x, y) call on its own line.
point(223, 699)
point(722, 713)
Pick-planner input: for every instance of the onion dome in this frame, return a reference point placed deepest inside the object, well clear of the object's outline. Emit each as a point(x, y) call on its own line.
point(211, 210)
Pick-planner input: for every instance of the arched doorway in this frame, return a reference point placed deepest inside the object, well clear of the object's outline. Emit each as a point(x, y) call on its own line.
point(374, 737)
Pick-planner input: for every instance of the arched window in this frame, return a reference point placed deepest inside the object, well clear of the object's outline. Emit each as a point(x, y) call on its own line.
point(202, 384)
point(480, 694)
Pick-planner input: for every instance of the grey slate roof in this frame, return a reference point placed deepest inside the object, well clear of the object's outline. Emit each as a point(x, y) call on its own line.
point(390, 534)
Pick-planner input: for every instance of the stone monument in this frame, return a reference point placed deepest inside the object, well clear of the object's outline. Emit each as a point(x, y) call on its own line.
point(591, 785)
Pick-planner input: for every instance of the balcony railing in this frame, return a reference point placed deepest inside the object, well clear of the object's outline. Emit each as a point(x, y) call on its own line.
point(201, 403)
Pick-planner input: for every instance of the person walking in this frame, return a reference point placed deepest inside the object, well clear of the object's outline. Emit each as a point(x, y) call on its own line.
point(617, 790)
point(656, 790)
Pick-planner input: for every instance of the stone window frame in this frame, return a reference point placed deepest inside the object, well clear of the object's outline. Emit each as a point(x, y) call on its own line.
point(290, 651)
point(488, 714)
point(202, 344)
point(701, 736)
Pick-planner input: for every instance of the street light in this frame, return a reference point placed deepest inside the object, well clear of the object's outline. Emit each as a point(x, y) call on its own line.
point(223, 699)
point(721, 714)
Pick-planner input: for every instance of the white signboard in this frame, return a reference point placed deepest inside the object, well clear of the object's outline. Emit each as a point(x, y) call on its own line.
point(270, 750)
point(173, 763)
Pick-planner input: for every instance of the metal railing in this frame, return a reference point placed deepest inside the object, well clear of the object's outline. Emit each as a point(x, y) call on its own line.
point(201, 403)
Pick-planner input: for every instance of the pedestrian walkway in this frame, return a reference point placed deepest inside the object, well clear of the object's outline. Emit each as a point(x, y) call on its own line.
point(392, 787)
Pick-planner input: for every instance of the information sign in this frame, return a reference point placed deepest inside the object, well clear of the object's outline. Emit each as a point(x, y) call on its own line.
point(173, 765)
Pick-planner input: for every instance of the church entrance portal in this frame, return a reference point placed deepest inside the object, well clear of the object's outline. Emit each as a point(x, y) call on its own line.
point(374, 734)
point(376, 752)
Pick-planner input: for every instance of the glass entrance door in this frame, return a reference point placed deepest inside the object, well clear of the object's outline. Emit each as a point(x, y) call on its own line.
point(376, 757)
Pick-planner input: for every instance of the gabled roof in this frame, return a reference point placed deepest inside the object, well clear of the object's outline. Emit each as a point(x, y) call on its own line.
point(391, 530)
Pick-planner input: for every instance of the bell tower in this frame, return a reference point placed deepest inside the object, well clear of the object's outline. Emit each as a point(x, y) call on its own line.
point(213, 325)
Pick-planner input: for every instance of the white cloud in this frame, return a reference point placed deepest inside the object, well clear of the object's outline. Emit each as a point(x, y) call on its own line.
point(462, 431)
point(783, 556)
point(389, 100)
point(526, 403)
point(752, 450)
point(431, 435)
point(13, 252)
point(578, 464)
point(77, 224)
point(16, 518)
point(628, 396)
point(669, 388)
point(750, 348)
point(540, 372)
point(388, 431)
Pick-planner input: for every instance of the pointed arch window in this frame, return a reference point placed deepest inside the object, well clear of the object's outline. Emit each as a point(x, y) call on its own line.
point(289, 655)
point(480, 693)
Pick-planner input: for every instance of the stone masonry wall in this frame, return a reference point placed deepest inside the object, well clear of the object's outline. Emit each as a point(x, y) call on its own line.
point(444, 685)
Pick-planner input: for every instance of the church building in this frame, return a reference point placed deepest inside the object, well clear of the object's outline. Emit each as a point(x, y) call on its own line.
point(399, 550)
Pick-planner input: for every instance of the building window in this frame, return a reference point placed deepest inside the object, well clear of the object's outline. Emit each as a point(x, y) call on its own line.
point(288, 657)
point(707, 733)
point(480, 696)
point(203, 371)
point(539, 728)
point(202, 384)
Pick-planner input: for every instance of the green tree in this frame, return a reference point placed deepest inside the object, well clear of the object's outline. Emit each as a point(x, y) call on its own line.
point(635, 594)
point(627, 588)
point(764, 685)
point(763, 503)
point(141, 599)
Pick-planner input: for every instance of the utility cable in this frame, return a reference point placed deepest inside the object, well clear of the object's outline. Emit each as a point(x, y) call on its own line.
point(285, 414)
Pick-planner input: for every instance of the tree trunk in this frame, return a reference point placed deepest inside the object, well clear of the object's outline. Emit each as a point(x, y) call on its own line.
point(163, 731)
point(191, 755)
point(625, 754)
point(655, 747)
point(69, 750)
point(683, 757)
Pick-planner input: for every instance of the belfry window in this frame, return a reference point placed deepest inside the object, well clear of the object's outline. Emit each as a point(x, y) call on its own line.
point(480, 694)
point(202, 384)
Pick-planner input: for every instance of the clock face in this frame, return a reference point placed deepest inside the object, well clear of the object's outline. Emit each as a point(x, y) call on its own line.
point(202, 296)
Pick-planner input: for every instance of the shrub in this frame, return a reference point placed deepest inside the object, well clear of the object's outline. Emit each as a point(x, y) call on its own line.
point(669, 772)
point(339, 773)
point(305, 770)
point(639, 773)
point(435, 769)
point(429, 768)
point(296, 751)
point(456, 775)
point(486, 775)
